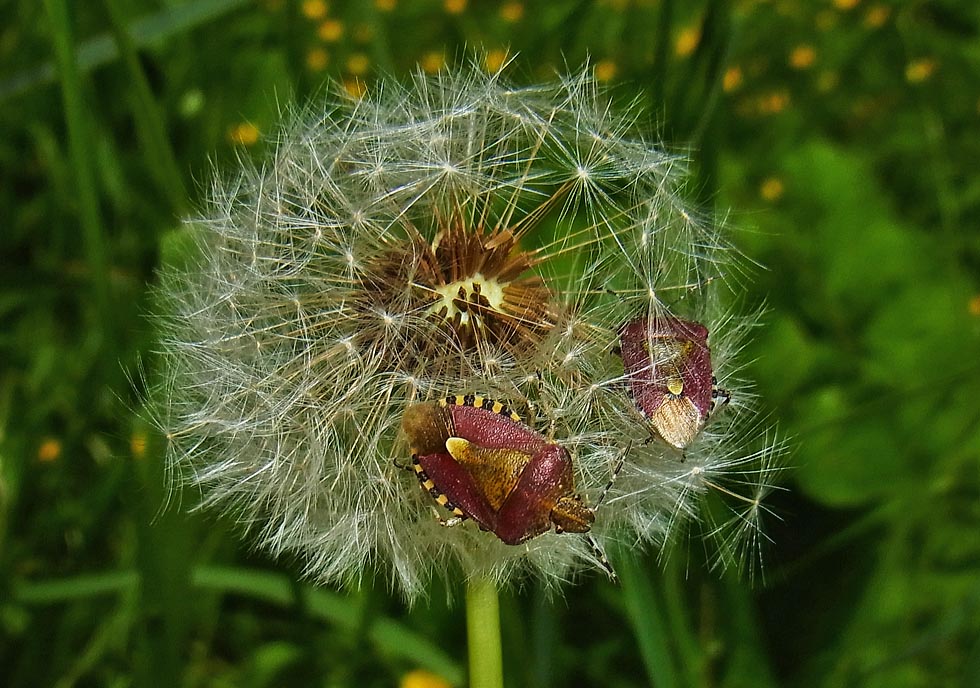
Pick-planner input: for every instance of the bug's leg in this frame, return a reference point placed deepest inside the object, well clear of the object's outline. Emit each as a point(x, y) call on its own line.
point(442, 500)
point(613, 475)
point(596, 550)
point(540, 407)
point(603, 561)
point(533, 406)
point(719, 395)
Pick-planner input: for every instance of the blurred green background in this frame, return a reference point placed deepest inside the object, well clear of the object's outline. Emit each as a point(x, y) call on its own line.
point(840, 138)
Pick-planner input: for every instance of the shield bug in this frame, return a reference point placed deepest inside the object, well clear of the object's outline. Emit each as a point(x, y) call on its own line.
point(480, 461)
point(668, 369)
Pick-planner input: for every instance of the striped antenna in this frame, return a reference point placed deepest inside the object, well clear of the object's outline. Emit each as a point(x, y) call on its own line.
point(596, 550)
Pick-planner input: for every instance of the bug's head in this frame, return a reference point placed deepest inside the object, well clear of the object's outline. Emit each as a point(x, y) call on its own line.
point(570, 515)
point(427, 427)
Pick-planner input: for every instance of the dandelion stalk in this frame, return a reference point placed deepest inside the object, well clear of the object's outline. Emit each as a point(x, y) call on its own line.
point(483, 633)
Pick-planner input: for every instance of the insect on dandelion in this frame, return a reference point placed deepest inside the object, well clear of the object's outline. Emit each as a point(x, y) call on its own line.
point(670, 376)
point(452, 236)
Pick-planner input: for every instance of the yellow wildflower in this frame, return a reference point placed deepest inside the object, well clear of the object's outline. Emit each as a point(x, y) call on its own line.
point(605, 70)
point(920, 70)
point(732, 79)
point(330, 30)
point(512, 11)
point(771, 189)
point(244, 134)
point(803, 56)
point(687, 41)
point(49, 450)
point(454, 6)
point(495, 60)
point(420, 678)
point(314, 9)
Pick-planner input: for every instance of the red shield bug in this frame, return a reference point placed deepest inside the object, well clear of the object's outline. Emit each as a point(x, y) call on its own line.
point(668, 369)
point(480, 461)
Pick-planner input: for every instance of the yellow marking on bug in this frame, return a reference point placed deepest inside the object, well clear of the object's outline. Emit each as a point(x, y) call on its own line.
point(442, 499)
point(496, 470)
point(480, 402)
point(428, 485)
point(457, 447)
point(675, 386)
point(458, 512)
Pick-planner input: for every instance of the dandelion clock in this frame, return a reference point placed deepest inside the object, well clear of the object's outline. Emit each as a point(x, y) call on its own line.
point(457, 328)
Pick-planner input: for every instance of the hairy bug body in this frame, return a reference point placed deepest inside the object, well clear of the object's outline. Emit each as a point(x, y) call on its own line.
point(668, 369)
point(480, 461)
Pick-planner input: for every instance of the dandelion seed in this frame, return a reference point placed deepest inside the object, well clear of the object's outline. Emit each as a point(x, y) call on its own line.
point(454, 236)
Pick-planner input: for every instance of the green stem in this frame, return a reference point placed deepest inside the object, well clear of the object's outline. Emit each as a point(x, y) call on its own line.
point(149, 118)
point(80, 152)
point(483, 634)
point(646, 614)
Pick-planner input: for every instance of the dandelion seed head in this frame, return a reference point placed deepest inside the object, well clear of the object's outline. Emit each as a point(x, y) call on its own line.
point(454, 235)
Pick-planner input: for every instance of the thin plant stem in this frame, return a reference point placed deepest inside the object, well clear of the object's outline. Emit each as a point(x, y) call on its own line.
point(80, 153)
point(483, 634)
point(147, 114)
point(645, 612)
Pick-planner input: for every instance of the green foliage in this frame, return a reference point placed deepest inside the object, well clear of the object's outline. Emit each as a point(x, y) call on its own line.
point(843, 134)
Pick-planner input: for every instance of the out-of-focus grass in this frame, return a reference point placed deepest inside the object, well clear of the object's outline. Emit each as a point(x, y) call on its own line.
point(843, 134)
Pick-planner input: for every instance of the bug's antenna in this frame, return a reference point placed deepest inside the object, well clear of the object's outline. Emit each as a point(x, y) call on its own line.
point(596, 550)
point(612, 478)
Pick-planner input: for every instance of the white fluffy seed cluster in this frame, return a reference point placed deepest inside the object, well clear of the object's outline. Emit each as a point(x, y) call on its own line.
point(311, 315)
